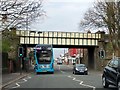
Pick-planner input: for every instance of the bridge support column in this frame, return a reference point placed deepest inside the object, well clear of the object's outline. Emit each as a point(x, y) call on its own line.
point(91, 61)
point(96, 65)
point(98, 61)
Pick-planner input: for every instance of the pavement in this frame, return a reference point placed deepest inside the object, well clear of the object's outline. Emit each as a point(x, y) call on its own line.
point(12, 77)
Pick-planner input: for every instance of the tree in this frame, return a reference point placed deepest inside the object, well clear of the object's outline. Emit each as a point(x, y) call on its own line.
point(19, 13)
point(14, 15)
point(105, 15)
point(10, 42)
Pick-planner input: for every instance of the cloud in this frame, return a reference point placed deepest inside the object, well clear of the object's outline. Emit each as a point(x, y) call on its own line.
point(62, 16)
point(77, 1)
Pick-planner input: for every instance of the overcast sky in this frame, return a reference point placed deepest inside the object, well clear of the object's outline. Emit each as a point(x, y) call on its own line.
point(62, 15)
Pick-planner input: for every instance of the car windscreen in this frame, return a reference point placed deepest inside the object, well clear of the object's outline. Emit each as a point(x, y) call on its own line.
point(119, 62)
point(80, 65)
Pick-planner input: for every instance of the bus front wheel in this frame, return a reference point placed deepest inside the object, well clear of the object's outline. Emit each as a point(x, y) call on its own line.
point(52, 72)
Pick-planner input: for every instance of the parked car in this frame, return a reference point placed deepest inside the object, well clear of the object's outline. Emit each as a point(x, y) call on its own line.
point(111, 74)
point(73, 61)
point(59, 61)
point(80, 69)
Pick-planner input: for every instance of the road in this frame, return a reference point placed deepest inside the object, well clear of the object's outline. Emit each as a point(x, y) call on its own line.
point(62, 78)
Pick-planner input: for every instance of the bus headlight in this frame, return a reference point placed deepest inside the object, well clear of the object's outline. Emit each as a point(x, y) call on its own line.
point(41, 66)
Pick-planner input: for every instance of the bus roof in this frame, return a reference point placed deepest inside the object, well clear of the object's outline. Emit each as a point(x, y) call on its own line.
point(43, 45)
point(40, 46)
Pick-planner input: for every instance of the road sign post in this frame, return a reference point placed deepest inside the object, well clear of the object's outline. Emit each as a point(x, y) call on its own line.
point(26, 61)
point(20, 65)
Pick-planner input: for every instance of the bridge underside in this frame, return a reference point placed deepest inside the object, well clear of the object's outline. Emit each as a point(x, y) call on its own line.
point(61, 46)
point(87, 41)
point(88, 57)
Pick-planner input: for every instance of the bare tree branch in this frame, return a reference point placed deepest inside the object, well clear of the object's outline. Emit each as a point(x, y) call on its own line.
point(15, 13)
point(105, 15)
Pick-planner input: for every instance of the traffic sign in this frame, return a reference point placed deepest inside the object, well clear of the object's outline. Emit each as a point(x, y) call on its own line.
point(102, 54)
point(20, 51)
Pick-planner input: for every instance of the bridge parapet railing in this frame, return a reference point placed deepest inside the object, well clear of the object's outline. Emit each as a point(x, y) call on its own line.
point(59, 34)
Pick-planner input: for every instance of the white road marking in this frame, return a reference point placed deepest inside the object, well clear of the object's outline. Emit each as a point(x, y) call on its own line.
point(87, 85)
point(17, 85)
point(74, 79)
point(62, 71)
point(81, 82)
point(29, 77)
point(24, 80)
point(69, 76)
point(77, 80)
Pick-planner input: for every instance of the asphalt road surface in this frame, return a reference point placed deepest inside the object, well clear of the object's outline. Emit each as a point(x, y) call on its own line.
point(62, 78)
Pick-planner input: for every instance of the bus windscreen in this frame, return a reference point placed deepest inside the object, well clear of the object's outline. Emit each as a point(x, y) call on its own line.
point(43, 56)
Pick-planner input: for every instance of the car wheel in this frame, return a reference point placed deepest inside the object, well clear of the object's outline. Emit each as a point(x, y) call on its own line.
point(74, 72)
point(86, 73)
point(51, 72)
point(104, 82)
point(119, 85)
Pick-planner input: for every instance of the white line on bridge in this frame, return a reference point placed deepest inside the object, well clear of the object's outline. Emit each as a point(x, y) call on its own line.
point(81, 82)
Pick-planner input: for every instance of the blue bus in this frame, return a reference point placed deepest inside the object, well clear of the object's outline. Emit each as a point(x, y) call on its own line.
point(44, 61)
